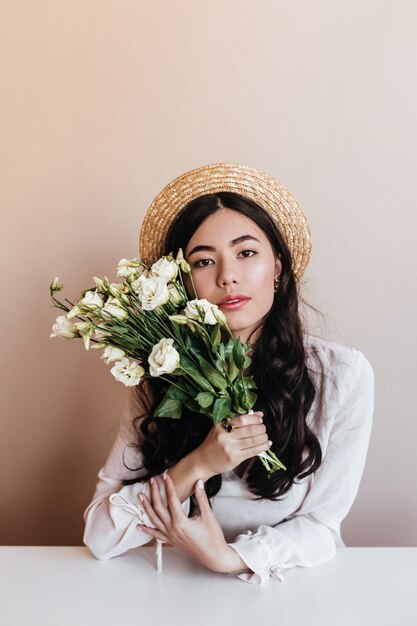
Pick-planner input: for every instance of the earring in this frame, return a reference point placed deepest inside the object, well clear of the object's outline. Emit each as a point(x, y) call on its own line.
point(276, 284)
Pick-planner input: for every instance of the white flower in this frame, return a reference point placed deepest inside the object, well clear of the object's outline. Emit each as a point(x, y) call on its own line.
point(136, 285)
point(114, 309)
point(129, 269)
point(111, 353)
point(166, 269)
point(63, 328)
point(174, 295)
point(127, 372)
point(204, 311)
point(153, 292)
point(164, 358)
point(91, 300)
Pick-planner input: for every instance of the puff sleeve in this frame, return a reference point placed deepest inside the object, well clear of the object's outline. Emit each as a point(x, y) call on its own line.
point(311, 535)
point(115, 510)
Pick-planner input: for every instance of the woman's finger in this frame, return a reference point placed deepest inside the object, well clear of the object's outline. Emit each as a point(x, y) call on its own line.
point(260, 448)
point(155, 520)
point(248, 419)
point(255, 440)
point(250, 432)
point(153, 532)
point(202, 500)
point(173, 501)
point(157, 504)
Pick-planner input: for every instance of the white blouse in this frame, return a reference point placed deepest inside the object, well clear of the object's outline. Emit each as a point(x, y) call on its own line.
point(303, 528)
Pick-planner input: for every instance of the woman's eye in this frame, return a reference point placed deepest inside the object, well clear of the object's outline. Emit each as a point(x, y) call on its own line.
point(251, 251)
point(201, 263)
point(205, 262)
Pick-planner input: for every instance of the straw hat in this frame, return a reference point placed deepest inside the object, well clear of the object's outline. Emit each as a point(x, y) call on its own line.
point(246, 181)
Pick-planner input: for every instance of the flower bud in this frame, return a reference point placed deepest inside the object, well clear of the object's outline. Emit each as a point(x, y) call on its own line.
point(179, 319)
point(74, 312)
point(184, 266)
point(56, 286)
point(174, 295)
point(102, 285)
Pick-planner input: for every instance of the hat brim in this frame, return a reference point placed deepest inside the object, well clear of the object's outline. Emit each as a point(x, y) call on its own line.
point(251, 183)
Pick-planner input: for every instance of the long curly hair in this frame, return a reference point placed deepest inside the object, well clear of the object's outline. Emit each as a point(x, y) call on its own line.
point(285, 389)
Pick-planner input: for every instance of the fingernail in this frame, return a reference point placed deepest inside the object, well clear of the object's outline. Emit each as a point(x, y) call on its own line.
point(141, 498)
point(270, 443)
point(151, 480)
point(200, 484)
point(164, 475)
point(260, 420)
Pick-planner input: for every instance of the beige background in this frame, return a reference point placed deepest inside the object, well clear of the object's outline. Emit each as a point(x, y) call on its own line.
point(102, 104)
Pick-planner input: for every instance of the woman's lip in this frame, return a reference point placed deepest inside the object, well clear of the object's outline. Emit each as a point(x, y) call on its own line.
point(234, 305)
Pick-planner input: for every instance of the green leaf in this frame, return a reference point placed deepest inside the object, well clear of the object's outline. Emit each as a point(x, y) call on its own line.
point(245, 382)
point(118, 328)
point(169, 408)
point(247, 399)
point(228, 347)
point(220, 365)
point(216, 337)
point(222, 408)
point(211, 373)
point(205, 399)
point(247, 362)
point(192, 405)
point(233, 370)
point(175, 393)
point(187, 342)
point(195, 374)
point(239, 354)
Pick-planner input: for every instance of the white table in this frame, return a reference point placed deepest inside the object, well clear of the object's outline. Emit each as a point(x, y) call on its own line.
point(62, 586)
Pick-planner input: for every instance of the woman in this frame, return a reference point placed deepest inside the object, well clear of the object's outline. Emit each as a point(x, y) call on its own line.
point(201, 487)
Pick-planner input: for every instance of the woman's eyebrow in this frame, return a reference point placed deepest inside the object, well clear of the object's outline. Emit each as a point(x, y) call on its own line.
point(232, 243)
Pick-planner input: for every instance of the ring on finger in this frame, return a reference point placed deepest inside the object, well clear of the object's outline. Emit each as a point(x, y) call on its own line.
point(228, 425)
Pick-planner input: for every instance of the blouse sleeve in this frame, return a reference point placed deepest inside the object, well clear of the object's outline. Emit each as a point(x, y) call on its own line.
point(115, 510)
point(310, 536)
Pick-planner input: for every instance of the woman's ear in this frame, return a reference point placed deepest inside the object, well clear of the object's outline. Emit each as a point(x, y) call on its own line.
point(278, 267)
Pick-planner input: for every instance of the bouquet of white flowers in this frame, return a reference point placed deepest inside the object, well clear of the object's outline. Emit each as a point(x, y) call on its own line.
point(147, 327)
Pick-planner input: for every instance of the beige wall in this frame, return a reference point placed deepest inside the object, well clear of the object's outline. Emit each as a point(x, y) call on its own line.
point(103, 103)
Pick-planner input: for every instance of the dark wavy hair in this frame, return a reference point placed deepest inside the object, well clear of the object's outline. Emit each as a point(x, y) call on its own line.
point(285, 389)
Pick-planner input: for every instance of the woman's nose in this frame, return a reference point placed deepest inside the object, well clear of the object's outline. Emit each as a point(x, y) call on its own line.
point(227, 275)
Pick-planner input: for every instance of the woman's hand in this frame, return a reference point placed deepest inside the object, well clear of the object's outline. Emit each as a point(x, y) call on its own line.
point(201, 536)
point(222, 451)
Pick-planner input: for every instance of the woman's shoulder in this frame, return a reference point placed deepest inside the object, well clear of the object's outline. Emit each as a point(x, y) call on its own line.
point(336, 366)
point(323, 351)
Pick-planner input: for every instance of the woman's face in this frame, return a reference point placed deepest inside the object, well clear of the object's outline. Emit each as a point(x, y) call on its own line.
point(231, 257)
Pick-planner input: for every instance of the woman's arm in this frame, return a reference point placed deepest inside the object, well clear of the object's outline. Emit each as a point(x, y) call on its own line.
point(115, 510)
point(112, 516)
point(310, 536)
